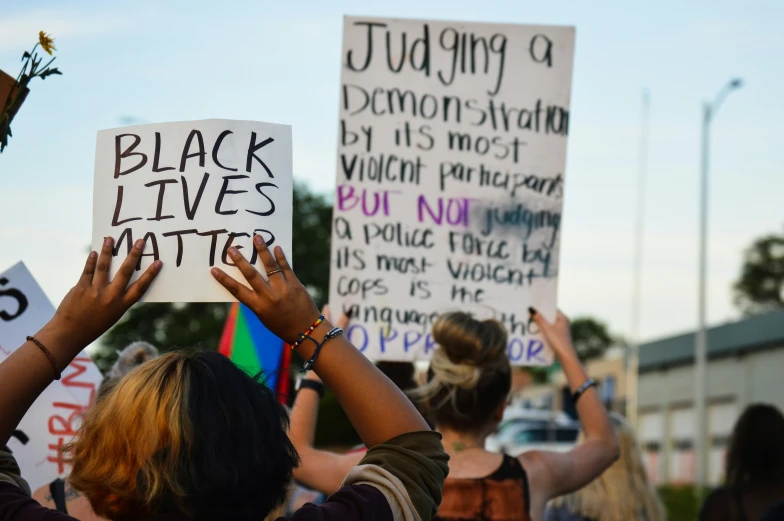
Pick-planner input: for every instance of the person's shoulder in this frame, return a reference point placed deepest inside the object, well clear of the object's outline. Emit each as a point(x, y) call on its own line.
point(350, 503)
point(716, 504)
point(21, 507)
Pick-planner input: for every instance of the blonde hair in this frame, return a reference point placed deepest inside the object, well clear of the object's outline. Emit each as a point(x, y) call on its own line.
point(623, 491)
point(135, 434)
point(470, 374)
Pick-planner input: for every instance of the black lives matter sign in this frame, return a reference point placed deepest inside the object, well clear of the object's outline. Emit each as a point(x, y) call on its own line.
point(450, 179)
point(192, 190)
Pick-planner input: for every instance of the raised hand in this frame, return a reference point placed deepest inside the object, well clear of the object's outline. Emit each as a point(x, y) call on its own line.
point(95, 304)
point(558, 334)
point(281, 302)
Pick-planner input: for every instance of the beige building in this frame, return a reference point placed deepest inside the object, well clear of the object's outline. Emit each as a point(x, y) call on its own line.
point(745, 365)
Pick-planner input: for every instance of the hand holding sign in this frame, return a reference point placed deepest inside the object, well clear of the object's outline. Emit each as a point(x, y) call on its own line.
point(94, 304)
point(282, 303)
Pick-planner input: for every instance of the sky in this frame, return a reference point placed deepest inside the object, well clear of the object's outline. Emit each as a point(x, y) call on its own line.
point(150, 61)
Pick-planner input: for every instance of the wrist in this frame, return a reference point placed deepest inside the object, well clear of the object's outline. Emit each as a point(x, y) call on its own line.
point(313, 385)
point(60, 341)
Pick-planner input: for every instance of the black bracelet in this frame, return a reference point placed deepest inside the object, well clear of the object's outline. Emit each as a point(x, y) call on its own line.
point(334, 332)
point(57, 372)
point(311, 384)
point(581, 390)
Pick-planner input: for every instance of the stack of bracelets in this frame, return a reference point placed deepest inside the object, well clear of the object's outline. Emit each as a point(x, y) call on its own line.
point(334, 332)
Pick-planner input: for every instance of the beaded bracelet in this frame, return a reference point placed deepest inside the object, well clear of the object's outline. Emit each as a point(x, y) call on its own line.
point(52, 361)
point(306, 334)
point(334, 332)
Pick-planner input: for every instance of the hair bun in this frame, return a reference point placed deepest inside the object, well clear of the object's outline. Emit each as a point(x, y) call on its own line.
point(468, 341)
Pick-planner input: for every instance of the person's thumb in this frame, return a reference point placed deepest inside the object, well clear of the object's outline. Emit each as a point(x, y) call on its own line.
point(541, 322)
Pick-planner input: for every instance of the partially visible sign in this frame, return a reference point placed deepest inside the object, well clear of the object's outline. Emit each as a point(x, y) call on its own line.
point(54, 418)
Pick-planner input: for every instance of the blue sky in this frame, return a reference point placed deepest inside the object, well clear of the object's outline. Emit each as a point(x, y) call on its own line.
point(152, 61)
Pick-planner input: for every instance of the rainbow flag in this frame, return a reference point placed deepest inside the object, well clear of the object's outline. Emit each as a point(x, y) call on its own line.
point(255, 349)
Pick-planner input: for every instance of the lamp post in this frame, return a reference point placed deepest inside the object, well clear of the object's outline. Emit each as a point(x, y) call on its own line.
point(709, 111)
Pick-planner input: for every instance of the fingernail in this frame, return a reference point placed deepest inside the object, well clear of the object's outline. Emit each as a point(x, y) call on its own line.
point(532, 312)
point(107, 241)
point(278, 250)
point(158, 264)
point(139, 244)
point(214, 272)
point(258, 240)
point(93, 255)
point(233, 251)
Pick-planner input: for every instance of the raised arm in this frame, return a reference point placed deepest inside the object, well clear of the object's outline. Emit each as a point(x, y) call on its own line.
point(552, 474)
point(87, 311)
point(320, 470)
point(378, 410)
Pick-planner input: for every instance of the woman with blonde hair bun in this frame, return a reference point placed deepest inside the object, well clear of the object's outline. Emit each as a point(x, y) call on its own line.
point(468, 385)
point(621, 493)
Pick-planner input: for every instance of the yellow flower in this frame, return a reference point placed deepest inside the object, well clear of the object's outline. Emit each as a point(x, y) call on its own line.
point(47, 42)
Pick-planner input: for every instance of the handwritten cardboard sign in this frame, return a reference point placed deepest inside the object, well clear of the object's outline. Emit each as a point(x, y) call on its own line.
point(450, 179)
point(56, 415)
point(192, 190)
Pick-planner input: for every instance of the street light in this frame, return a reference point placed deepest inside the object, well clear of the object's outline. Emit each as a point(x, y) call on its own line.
point(708, 113)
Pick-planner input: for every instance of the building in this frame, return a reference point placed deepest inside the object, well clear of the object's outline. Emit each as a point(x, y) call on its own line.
point(745, 365)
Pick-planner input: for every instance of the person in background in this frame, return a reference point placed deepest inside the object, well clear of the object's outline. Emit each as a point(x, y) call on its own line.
point(469, 382)
point(754, 470)
point(190, 436)
point(621, 493)
point(60, 495)
point(323, 471)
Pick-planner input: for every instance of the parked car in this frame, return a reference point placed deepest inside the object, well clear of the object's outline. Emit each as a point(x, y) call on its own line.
point(522, 430)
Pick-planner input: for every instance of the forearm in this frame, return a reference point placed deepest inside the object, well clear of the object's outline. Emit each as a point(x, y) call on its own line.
point(593, 416)
point(378, 410)
point(304, 414)
point(27, 372)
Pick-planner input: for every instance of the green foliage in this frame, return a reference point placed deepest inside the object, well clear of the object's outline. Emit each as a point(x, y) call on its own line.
point(590, 337)
point(176, 325)
point(760, 287)
point(681, 502)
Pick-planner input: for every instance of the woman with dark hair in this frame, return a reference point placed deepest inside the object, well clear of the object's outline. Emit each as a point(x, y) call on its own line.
point(189, 436)
point(754, 468)
point(469, 382)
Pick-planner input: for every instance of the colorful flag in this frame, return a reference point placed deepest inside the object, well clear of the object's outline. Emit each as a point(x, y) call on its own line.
point(250, 345)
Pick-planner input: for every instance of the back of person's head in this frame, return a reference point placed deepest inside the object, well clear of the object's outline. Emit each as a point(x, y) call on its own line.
point(470, 376)
point(401, 373)
point(131, 357)
point(184, 433)
point(623, 491)
point(756, 447)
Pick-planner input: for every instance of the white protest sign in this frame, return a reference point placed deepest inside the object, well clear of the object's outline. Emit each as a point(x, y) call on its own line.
point(192, 189)
point(450, 179)
point(55, 416)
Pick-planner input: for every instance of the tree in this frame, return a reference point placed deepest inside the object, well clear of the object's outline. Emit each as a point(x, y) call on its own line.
point(760, 287)
point(176, 325)
point(590, 337)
